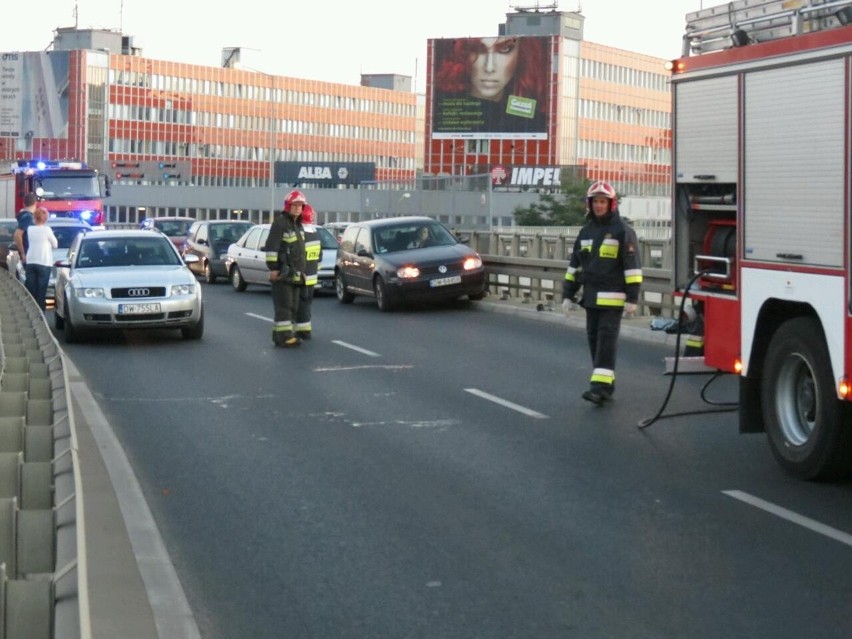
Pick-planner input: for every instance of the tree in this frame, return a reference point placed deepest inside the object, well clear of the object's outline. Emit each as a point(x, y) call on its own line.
point(567, 208)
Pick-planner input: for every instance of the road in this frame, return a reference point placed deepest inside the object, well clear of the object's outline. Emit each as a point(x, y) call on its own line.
point(434, 473)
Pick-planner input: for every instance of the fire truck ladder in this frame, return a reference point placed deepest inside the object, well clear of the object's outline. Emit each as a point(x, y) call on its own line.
point(735, 24)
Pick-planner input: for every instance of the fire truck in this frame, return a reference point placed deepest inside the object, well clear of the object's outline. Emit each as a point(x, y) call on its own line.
point(762, 180)
point(64, 188)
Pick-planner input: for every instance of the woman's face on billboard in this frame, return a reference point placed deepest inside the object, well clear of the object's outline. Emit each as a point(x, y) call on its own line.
point(492, 66)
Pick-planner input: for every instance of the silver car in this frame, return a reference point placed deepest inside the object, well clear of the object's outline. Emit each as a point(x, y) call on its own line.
point(246, 261)
point(126, 280)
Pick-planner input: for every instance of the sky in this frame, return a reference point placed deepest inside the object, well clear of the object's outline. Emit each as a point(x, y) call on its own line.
point(336, 40)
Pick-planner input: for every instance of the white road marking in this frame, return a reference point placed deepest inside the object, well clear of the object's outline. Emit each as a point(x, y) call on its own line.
point(355, 348)
point(334, 369)
point(491, 398)
point(789, 515)
point(260, 317)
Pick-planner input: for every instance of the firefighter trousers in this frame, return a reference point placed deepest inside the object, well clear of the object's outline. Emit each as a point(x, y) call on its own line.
point(303, 314)
point(285, 303)
point(602, 328)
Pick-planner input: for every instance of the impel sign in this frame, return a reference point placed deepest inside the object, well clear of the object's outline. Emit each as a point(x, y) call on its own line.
point(526, 176)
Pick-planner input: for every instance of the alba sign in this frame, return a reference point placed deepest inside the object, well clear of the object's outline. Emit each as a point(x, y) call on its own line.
point(324, 173)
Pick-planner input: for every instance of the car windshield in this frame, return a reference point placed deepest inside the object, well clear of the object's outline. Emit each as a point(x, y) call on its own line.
point(404, 237)
point(173, 228)
point(228, 232)
point(66, 234)
point(126, 251)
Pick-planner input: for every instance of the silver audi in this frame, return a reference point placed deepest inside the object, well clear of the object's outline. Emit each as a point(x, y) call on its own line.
point(129, 279)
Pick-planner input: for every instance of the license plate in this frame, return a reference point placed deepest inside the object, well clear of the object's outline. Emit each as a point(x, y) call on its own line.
point(444, 281)
point(138, 309)
point(327, 283)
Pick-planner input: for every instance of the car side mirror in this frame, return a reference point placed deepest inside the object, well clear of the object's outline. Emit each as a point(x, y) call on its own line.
point(464, 239)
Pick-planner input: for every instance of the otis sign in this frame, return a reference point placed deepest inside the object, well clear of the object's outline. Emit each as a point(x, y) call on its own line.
point(526, 176)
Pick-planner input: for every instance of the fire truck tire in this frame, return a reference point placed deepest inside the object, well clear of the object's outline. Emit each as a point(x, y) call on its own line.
point(804, 420)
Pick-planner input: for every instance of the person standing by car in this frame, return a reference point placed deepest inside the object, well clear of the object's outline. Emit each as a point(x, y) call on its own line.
point(606, 264)
point(313, 253)
point(25, 220)
point(39, 259)
point(285, 259)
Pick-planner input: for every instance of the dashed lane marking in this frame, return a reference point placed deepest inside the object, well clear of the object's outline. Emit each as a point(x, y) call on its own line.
point(355, 348)
point(502, 402)
point(789, 515)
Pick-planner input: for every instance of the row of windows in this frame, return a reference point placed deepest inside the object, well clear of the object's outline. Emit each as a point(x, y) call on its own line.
point(618, 74)
point(167, 149)
point(255, 123)
point(594, 110)
point(238, 90)
point(616, 152)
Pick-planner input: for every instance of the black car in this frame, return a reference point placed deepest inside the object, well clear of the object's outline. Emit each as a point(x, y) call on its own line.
point(406, 259)
point(209, 241)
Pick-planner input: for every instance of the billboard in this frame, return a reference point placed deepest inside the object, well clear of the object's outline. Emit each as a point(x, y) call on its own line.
point(490, 88)
point(34, 94)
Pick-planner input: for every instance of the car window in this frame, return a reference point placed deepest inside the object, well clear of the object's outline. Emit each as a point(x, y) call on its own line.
point(327, 240)
point(173, 228)
point(364, 243)
point(347, 242)
point(250, 240)
point(263, 235)
point(201, 233)
point(66, 234)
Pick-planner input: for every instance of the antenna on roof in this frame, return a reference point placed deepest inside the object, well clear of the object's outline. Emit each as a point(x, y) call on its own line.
point(76, 13)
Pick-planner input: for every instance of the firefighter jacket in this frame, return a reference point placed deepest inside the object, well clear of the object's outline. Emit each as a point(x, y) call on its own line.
point(285, 248)
point(605, 263)
point(313, 253)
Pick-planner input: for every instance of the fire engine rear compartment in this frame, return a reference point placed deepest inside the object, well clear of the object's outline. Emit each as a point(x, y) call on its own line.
point(760, 221)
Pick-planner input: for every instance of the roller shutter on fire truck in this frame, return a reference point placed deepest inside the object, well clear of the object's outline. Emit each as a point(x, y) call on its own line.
point(793, 154)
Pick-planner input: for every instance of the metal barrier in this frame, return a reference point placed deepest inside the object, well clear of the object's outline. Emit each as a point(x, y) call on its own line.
point(530, 266)
point(43, 580)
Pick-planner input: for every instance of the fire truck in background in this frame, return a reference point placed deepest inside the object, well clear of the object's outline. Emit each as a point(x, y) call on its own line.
point(64, 188)
point(761, 217)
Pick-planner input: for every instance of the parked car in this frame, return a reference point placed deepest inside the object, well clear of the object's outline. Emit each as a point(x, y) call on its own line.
point(175, 228)
point(128, 279)
point(246, 261)
point(7, 234)
point(406, 259)
point(65, 229)
point(336, 228)
point(209, 241)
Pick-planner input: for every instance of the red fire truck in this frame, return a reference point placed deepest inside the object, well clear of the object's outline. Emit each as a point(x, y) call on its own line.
point(64, 188)
point(762, 171)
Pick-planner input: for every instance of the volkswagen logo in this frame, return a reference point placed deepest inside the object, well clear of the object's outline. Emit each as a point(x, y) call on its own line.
point(442, 269)
point(138, 292)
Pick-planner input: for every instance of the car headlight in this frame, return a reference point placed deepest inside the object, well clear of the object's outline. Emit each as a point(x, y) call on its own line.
point(408, 272)
point(183, 289)
point(472, 263)
point(88, 292)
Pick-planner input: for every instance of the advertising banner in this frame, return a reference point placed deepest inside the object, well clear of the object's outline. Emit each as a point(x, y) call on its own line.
point(490, 88)
point(34, 94)
point(325, 174)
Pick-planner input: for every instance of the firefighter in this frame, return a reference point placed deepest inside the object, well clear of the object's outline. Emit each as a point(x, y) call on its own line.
point(285, 259)
point(313, 252)
point(605, 263)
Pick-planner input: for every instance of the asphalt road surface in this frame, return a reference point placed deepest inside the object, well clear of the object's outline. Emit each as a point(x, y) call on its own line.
point(433, 472)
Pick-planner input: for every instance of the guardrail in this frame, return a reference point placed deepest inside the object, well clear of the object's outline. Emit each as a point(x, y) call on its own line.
point(43, 568)
point(530, 266)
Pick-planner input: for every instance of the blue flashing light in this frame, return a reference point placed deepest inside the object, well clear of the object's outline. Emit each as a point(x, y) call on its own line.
point(86, 215)
point(40, 165)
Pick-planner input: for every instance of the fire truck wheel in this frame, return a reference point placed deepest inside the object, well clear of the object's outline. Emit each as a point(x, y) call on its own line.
point(804, 419)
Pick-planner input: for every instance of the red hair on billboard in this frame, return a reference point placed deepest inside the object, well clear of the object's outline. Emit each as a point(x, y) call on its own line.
point(455, 60)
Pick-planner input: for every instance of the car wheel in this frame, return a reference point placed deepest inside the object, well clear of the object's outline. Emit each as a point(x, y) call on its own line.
point(196, 331)
point(71, 333)
point(383, 300)
point(209, 276)
point(58, 320)
point(343, 296)
point(237, 280)
point(805, 422)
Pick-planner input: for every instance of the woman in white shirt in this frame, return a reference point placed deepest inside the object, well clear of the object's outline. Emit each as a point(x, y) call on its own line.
point(39, 259)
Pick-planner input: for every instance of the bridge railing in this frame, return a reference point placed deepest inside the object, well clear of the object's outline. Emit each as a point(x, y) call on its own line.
point(43, 567)
point(529, 265)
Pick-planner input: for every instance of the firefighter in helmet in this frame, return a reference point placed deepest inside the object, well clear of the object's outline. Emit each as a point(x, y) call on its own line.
point(313, 253)
point(285, 259)
point(605, 265)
